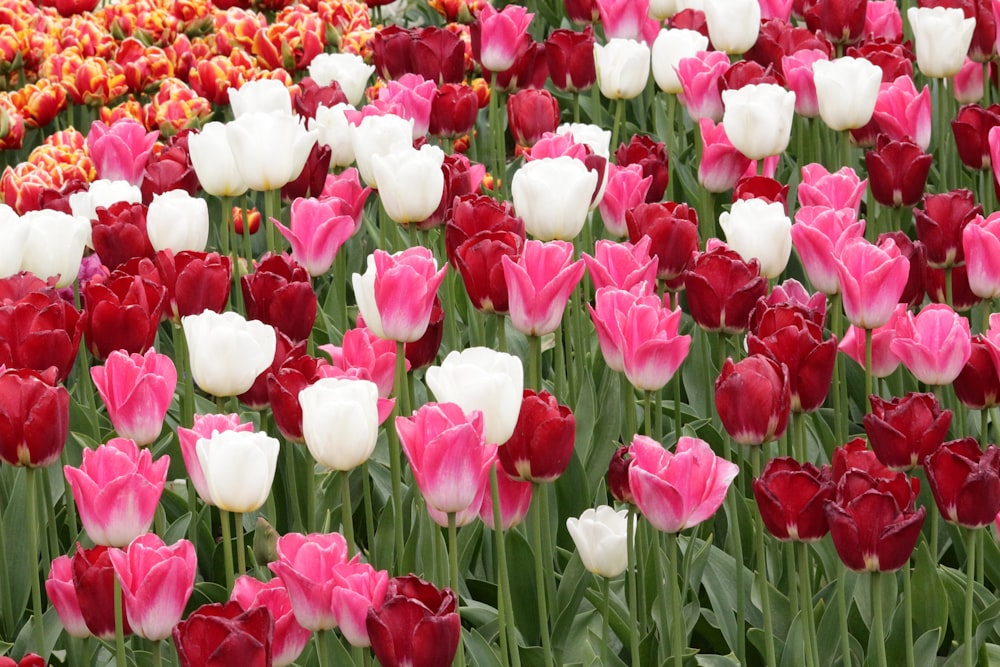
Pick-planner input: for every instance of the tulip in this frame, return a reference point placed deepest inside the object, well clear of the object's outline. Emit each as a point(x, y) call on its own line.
point(289, 638)
point(902, 113)
point(503, 36)
point(617, 475)
point(358, 587)
point(846, 90)
point(410, 181)
point(515, 501)
point(542, 443)
point(624, 266)
point(137, 390)
point(120, 150)
point(333, 131)
point(897, 172)
point(723, 289)
point(377, 135)
point(214, 162)
point(652, 157)
point(840, 21)
point(438, 54)
point(978, 385)
point(940, 225)
point(570, 56)
point(417, 626)
point(626, 188)
point(758, 119)
point(280, 293)
point(264, 95)
point(306, 563)
point(94, 581)
point(965, 481)
point(872, 278)
point(817, 233)
point(882, 19)
point(971, 127)
point(652, 349)
point(177, 221)
point(422, 352)
point(55, 245)
point(883, 362)
point(553, 197)
point(62, 596)
point(195, 282)
point(123, 313)
point(600, 537)
point(239, 468)
point(934, 344)
point(942, 37)
point(270, 149)
point(448, 454)
point(733, 26)
point(217, 634)
point(608, 315)
point(530, 114)
point(753, 399)
point(227, 351)
point(318, 229)
point(453, 111)
point(840, 189)
point(104, 193)
point(622, 68)
point(903, 432)
point(16, 238)
point(204, 426)
point(157, 581)
point(39, 329)
point(855, 455)
point(472, 214)
point(799, 77)
point(396, 293)
point(670, 47)
point(791, 497)
point(962, 298)
point(340, 419)
point(34, 417)
point(679, 489)
point(721, 165)
point(410, 97)
point(479, 263)
point(539, 284)
point(759, 230)
point(347, 69)
point(374, 358)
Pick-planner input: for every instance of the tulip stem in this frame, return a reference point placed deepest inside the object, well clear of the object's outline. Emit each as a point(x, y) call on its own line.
point(453, 563)
point(347, 520)
point(605, 618)
point(677, 406)
point(36, 589)
point(672, 143)
point(806, 604)
point(395, 465)
point(737, 546)
point(227, 552)
point(272, 209)
point(868, 366)
point(628, 399)
point(157, 653)
point(505, 611)
point(119, 625)
point(647, 414)
point(630, 579)
point(241, 550)
point(970, 580)
point(765, 593)
point(878, 619)
point(534, 362)
point(617, 123)
point(322, 650)
point(908, 615)
point(678, 627)
point(839, 384)
point(496, 131)
point(543, 614)
point(187, 380)
point(845, 637)
point(366, 490)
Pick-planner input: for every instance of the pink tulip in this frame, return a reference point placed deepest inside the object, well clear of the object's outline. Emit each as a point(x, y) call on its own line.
point(721, 165)
point(515, 501)
point(289, 638)
point(839, 189)
point(503, 36)
point(624, 19)
point(872, 278)
point(408, 97)
point(625, 266)
point(137, 390)
point(116, 489)
point(62, 595)
point(817, 232)
point(120, 151)
point(204, 426)
point(374, 357)
point(651, 347)
point(679, 489)
point(798, 69)
point(884, 361)
point(903, 113)
point(357, 588)
point(776, 9)
point(157, 581)
point(305, 563)
point(883, 20)
point(468, 515)
point(539, 285)
point(448, 454)
point(981, 242)
point(934, 345)
point(699, 77)
point(556, 145)
point(608, 314)
point(626, 188)
point(319, 227)
point(346, 187)
point(968, 82)
point(396, 293)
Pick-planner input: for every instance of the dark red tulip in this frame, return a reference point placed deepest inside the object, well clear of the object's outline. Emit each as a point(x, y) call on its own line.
point(582, 11)
point(542, 443)
point(530, 70)
point(788, 337)
point(840, 21)
point(119, 234)
point(873, 522)
point(29, 660)
point(570, 55)
point(965, 481)
point(971, 127)
point(913, 293)
point(417, 625)
point(170, 169)
point(311, 96)
point(747, 72)
point(279, 293)
point(778, 38)
point(453, 110)
point(283, 387)
point(691, 19)
point(94, 581)
point(762, 187)
point(477, 213)
point(673, 230)
point(257, 396)
point(962, 296)
point(461, 177)
point(940, 223)
point(855, 455)
point(423, 352)
point(617, 477)
point(904, 431)
point(978, 385)
point(34, 417)
point(783, 304)
point(651, 155)
point(222, 635)
point(312, 178)
point(791, 497)
point(722, 290)
point(392, 51)
point(479, 264)
point(56, 199)
point(438, 54)
point(195, 282)
point(753, 400)
point(122, 313)
point(38, 328)
point(530, 114)
point(897, 172)
point(894, 59)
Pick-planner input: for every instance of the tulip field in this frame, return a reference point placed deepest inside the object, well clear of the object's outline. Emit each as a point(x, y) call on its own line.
point(455, 332)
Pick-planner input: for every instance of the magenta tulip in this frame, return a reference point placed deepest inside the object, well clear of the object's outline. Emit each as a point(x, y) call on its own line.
point(883, 361)
point(120, 150)
point(839, 189)
point(137, 390)
point(305, 563)
point(627, 266)
point(626, 188)
point(934, 344)
point(502, 36)
point(318, 228)
point(62, 595)
point(817, 232)
point(358, 587)
point(396, 293)
point(539, 284)
point(290, 638)
point(652, 348)
point(872, 278)
point(981, 243)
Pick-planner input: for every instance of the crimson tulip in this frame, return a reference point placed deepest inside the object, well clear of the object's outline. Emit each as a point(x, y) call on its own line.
point(170, 169)
point(855, 455)
point(123, 313)
point(392, 51)
point(965, 481)
point(904, 431)
point(673, 230)
point(461, 177)
point(34, 417)
point(283, 386)
point(652, 156)
point(438, 54)
point(476, 213)
point(453, 110)
point(310, 96)
point(971, 127)
point(93, 579)
point(119, 233)
point(779, 38)
point(38, 328)
point(416, 626)
point(913, 293)
point(897, 172)
point(840, 21)
point(312, 178)
point(256, 397)
point(222, 635)
point(753, 400)
point(723, 289)
point(542, 444)
point(29, 660)
point(570, 55)
point(530, 114)
point(423, 351)
point(279, 292)
point(978, 384)
point(791, 497)
point(478, 260)
point(895, 59)
point(617, 476)
point(962, 296)
point(940, 224)
point(195, 282)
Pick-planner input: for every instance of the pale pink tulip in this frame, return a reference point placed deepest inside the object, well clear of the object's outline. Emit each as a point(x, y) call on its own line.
point(305, 563)
point(839, 189)
point(721, 165)
point(357, 588)
point(448, 454)
point(872, 278)
point(396, 293)
point(679, 489)
point(817, 232)
point(503, 36)
point(652, 349)
point(776, 9)
point(699, 77)
point(157, 581)
point(625, 266)
point(968, 82)
point(884, 362)
point(120, 150)
point(116, 489)
point(934, 345)
point(883, 20)
point(61, 591)
point(204, 426)
point(319, 227)
point(902, 112)
point(798, 69)
point(623, 19)
point(626, 188)
point(539, 285)
point(608, 314)
point(981, 243)
point(137, 390)
point(408, 97)
point(289, 638)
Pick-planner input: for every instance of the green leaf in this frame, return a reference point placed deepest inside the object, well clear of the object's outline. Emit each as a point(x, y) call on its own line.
point(930, 600)
point(481, 653)
point(926, 647)
point(22, 565)
point(793, 653)
point(521, 564)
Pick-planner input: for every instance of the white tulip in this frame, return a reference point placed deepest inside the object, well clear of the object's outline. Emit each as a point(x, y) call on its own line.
point(55, 245)
point(347, 69)
point(846, 91)
point(214, 162)
point(376, 135)
point(333, 130)
point(594, 136)
point(270, 148)
point(264, 95)
point(669, 48)
point(177, 221)
point(340, 421)
point(553, 196)
point(411, 182)
point(227, 352)
point(622, 68)
point(758, 119)
point(601, 538)
point(14, 232)
point(942, 37)
point(758, 229)
point(239, 468)
point(733, 25)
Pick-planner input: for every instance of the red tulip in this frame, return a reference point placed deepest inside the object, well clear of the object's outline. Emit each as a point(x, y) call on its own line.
point(652, 156)
point(38, 329)
point(119, 234)
point(940, 224)
point(29, 660)
point(476, 213)
point(123, 313)
point(93, 579)
point(283, 386)
point(416, 626)
point(617, 477)
point(897, 172)
point(438, 54)
point(673, 230)
point(840, 21)
point(978, 385)
point(723, 289)
point(570, 55)
point(195, 282)
point(791, 497)
point(223, 635)
point(34, 417)
point(965, 481)
point(904, 431)
point(311, 96)
point(971, 127)
point(478, 260)
point(392, 50)
point(170, 169)
point(530, 114)
point(461, 177)
point(753, 400)
point(279, 293)
point(542, 444)
point(453, 110)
